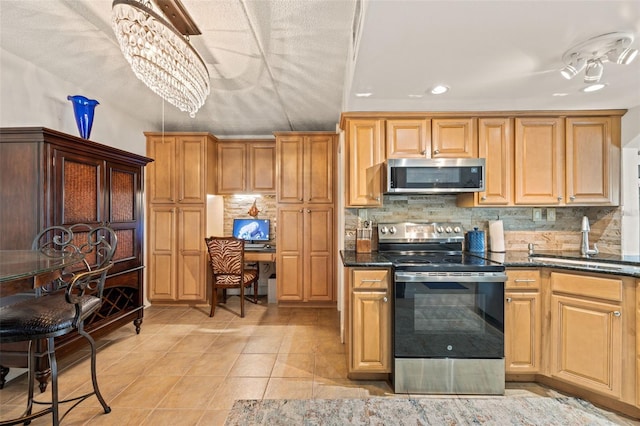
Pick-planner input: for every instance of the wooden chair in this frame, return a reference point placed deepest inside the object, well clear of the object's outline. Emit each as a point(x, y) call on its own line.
point(226, 258)
point(61, 307)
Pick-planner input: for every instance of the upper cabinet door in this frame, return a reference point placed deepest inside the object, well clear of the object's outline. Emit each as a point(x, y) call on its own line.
point(262, 167)
point(192, 179)
point(290, 169)
point(539, 165)
point(161, 173)
point(320, 152)
point(454, 138)
point(591, 155)
point(364, 159)
point(408, 138)
point(495, 145)
point(232, 166)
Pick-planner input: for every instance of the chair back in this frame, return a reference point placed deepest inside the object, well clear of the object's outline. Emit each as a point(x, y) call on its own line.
point(226, 255)
point(97, 243)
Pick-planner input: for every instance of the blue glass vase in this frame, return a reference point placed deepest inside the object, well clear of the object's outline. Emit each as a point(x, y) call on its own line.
point(83, 110)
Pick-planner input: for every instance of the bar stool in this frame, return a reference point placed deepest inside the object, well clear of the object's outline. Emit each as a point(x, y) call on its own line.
point(62, 308)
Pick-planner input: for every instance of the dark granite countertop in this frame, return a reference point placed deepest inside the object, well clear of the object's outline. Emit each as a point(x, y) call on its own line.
point(614, 264)
point(373, 259)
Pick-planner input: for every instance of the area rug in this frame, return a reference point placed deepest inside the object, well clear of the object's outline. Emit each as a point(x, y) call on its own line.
point(419, 411)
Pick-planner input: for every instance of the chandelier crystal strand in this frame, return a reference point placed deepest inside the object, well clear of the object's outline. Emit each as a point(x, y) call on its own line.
point(160, 56)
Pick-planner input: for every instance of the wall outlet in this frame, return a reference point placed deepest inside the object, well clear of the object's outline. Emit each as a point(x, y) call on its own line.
point(551, 215)
point(537, 215)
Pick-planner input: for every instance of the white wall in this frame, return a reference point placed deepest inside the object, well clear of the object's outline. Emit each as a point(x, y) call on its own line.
point(31, 96)
point(630, 221)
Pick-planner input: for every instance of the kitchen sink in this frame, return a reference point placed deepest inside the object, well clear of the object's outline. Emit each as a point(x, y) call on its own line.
point(587, 264)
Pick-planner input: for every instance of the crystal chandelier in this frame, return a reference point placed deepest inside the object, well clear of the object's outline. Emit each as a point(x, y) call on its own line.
point(160, 55)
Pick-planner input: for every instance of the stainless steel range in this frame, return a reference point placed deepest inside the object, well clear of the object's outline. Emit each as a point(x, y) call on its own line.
point(448, 311)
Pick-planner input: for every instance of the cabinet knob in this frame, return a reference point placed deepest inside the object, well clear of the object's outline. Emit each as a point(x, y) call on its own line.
point(385, 300)
point(559, 198)
point(617, 313)
point(508, 300)
point(572, 197)
point(301, 211)
point(436, 151)
point(308, 211)
point(300, 199)
point(483, 198)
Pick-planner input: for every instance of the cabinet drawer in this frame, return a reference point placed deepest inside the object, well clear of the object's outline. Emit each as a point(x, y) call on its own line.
point(370, 279)
point(523, 279)
point(587, 286)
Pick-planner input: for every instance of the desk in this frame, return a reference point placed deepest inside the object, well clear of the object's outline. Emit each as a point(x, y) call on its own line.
point(263, 255)
point(260, 255)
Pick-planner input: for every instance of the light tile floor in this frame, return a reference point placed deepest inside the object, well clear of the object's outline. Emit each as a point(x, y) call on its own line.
point(185, 368)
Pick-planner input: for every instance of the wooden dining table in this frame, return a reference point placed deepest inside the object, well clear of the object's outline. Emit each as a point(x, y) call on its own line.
point(21, 269)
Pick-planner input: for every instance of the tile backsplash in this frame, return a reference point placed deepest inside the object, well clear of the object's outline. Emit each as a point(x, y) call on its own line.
point(519, 227)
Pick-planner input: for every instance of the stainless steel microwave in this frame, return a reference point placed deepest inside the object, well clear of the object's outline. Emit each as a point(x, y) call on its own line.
point(435, 175)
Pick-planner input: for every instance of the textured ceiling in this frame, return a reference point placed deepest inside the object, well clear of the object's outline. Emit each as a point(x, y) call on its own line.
point(287, 64)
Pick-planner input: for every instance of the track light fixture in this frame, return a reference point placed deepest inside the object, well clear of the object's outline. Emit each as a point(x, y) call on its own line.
point(593, 53)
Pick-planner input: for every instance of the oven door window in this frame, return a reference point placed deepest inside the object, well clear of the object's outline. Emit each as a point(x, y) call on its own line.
point(449, 320)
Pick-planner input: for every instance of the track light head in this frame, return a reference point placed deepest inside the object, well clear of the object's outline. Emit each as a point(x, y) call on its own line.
point(593, 73)
point(572, 69)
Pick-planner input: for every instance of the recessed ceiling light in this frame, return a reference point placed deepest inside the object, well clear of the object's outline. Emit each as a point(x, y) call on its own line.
point(560, 94)
point(439, 89)
point(363, 94)
point(593, 87)
point(415, 96)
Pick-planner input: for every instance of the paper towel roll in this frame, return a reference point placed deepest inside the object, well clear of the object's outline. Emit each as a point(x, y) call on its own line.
point(496, 236)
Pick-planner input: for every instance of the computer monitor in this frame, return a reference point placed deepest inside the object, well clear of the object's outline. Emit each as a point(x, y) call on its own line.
point(251, 229)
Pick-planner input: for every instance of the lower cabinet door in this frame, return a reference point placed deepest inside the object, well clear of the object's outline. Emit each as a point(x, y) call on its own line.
point(587, 343)
point(370, 334)
point(522, 332)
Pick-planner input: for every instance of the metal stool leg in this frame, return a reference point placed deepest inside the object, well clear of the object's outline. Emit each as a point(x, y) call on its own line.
point(94, 378)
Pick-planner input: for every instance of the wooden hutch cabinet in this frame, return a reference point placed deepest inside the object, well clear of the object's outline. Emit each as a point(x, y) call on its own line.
point(51, 178)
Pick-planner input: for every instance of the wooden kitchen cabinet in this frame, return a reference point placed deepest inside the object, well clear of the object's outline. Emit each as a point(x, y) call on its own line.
point(592, 161)
point(587, 332)
point(369, 321)
point(522, 321)
point(52, 178)
point(364, 160)
point(178, 174)
point(496, 146)
point(454, 138)
point(177, 266)
point(408, 138)
point(305, 253)
point(246, 167)
point(539, 161)
point(177, 262)
point(306, 168)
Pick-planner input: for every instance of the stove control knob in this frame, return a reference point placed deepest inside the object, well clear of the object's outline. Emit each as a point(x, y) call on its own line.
point(457, 230)
point(440, 229)
point(392, 230)
point(383, 230)
point(448, 230)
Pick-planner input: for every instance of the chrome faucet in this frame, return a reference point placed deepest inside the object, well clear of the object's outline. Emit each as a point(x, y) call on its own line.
point(585, 251)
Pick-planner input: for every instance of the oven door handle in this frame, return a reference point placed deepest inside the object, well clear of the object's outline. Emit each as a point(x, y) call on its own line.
point(426, 277)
